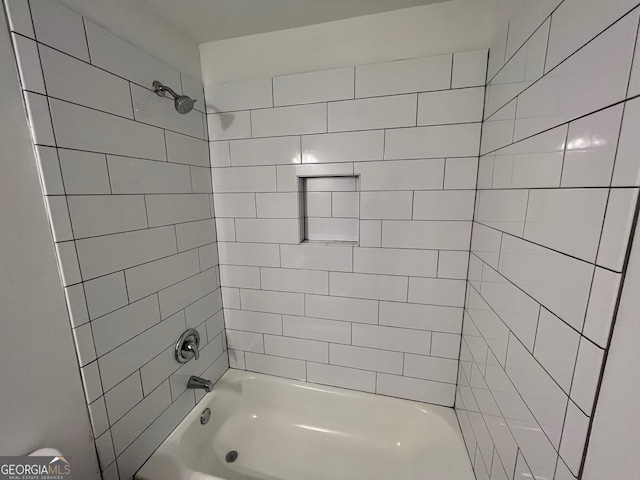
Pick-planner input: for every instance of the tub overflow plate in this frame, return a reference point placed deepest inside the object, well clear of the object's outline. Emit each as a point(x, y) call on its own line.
point(231, 457)
point(205, 416)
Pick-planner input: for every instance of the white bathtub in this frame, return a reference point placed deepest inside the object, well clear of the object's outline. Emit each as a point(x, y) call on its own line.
point(288, 430)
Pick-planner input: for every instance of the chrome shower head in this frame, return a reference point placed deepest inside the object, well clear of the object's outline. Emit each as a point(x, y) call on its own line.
point(182, 103)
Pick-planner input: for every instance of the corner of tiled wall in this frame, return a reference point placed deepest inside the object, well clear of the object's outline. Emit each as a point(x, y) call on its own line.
point(383, 315)
point(127, 185)
point(557, 195)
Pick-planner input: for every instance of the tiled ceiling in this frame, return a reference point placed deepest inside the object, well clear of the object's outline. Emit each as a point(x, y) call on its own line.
point(209, 20)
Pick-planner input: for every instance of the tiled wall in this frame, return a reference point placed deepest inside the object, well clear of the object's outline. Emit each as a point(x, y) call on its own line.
point(127, 185)
point(383, 316)
point(557, 192)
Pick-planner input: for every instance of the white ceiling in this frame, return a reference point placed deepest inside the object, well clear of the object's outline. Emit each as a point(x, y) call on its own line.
point(209, 20)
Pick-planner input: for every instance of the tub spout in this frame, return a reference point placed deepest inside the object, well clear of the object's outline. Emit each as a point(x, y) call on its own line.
point(199, 383)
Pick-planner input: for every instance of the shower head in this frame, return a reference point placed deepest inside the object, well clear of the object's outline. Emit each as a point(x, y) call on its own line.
point(182, 103)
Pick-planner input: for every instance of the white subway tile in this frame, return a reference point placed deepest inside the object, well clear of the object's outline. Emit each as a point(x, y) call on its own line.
point(617, 227)
point(277, 205)
point(268, 230)
point(372, 113)
point(433, 142)
point(258, 322)
point(343, 309)
point(525, 18)
point(104, 449)
point(123, 397)
point(602, 302)
point(366, 358)
point(272, 302)
point(229, 126)
point(294, 120)
point(93, 215)
point(152, 109)
point(626, 171)
point(132, 175)
point(194, 89)
point(556, 348)
point(124, 360)
point(586, 374)
point(166, 209)
point(431, 368)
point(317, 257)
point(19, 16)
point(59, 218)
point(278, 366)
point(320, 86)
point(452, 264)
point(59, 27)
point(117, 327)
point(154, 276)
point(370, 233)
point(250, 179)
point(98, 416)
point(265, 151)
point(427, 235)
point(106, 254)
point(316, 329)
point(195, 234)
point(158, 370)
point(446, 345)
point(234, 205)
point(238, 276)
point(68, 262)
point(85, 348)
point(236, 359)
point(242, 95)
point(387, 261)
point(178, 296)
point(567, 34)
point(375, 287)
point(568, 91)
point(203, 309)
point(83, 172)
point(85, 129)
point(386, 205)
point(91, 381)
point(297, 348)
point(40, 119)
point(503, 210)
point(50, 173)
point(106, 294)
point(416, 389)
point(391, 338)
point(401, 175)
point(421, 317)
point(343, 377)
point(469, 69)
point(78, 82)
point(437, 291)
point(497, 130)
point(292, 280)
point(403, 76)
point(485, 243)
point(343, 147)
point(140, 417)
point(191, 151)
point(26, 51)
point(219, 153)
point(443, 205)
point(451, 106)
point(125, 60)
point(246, 341)
point(208, 256)
point(331, 229)
point(249, 254)
point(231, 297)
point(77, 305)
point(591, 149)
point(542, 395)
point(574, 436)
point(288, 175)
point(568, 220)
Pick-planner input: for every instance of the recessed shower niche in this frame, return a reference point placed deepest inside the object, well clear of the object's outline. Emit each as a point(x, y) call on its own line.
point(330, 209)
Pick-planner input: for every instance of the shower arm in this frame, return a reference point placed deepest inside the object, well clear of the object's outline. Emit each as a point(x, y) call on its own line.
point(159, 88)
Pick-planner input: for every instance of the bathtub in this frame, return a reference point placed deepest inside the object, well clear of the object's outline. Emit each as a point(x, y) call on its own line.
point(289, 430)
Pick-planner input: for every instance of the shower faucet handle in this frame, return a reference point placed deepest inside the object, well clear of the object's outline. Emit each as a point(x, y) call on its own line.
point(188, 346)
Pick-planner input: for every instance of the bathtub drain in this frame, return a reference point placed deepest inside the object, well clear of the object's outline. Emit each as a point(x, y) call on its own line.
point(232, 456)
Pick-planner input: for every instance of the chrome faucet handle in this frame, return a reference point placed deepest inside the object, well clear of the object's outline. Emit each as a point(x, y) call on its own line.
point(191, 346)
point(188, 346)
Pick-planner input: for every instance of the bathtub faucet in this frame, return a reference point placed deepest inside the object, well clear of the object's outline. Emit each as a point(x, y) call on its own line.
point(199, 383)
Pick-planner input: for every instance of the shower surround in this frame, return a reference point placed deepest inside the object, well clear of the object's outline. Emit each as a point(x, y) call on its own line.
point(391, 150)
point(127, 186)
